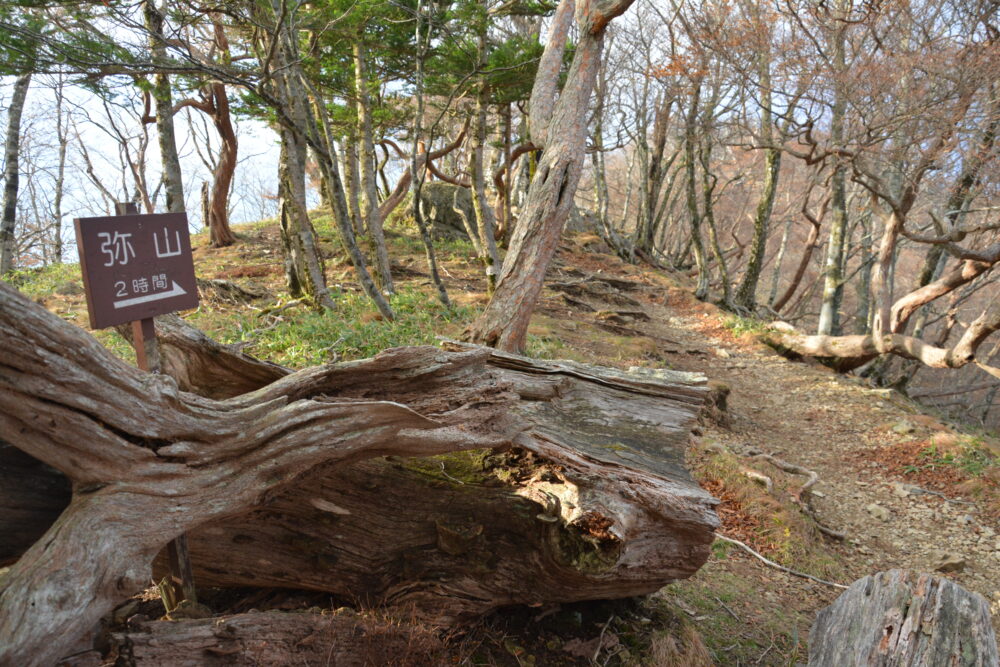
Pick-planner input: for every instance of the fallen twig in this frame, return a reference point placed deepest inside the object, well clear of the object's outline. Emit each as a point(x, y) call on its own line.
point(726, 607)
point(803, 496)
point(766, 561)
point(600, 639)
point(790, 468)
point(918, 489)
point(759, 477)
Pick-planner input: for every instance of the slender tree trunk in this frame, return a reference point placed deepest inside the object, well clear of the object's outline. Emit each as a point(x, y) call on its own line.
point(304, 264)
point(503, 205)
point(694, 217)
point(327, 160)
point(173, 181)
point(12, 153)
point(863, 325)
point(62, 136)
point(220, 234)
point(369, 187)
point(641, 140)
point(833, 274)
point(778, 261)
point(746, 295)
point(504, 323)
point(417, 167)
point(352, 184)
point(485, 221)
point(657, 169)
point(708, 181)
point(882, 279)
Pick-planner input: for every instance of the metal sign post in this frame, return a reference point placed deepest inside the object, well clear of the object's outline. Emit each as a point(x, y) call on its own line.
point(134, 268)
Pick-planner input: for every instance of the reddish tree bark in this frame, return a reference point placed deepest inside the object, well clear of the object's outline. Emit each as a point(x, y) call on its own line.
point(504, 323)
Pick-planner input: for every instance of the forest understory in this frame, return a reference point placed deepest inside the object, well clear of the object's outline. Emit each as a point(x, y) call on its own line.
point(906, 488)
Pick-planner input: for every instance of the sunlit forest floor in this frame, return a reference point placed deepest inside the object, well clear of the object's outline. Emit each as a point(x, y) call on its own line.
point(907, 489)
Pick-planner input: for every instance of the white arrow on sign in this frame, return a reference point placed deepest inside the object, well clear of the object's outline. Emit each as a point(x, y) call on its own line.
point(176, 290)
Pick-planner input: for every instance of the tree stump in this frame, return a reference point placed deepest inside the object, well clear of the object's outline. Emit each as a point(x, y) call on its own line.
point(898, 618)
point(438, 484)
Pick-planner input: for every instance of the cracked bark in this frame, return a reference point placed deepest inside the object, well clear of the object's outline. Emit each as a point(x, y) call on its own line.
point(504, 323)
point(562, 481)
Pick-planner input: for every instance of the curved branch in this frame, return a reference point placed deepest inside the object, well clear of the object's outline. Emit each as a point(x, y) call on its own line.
point(965, 273)
point(514, 155)
point(398, 193)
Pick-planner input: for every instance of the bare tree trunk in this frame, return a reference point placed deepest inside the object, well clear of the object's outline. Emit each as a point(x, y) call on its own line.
point(812, 241)
point(829, 316)
point(220, 234)
point(485, 219)
point(417, 167)
point(369, 188)
point(863, 324)
point(12, 151)
point(746, 294)
point(303, 262)
point(657, 170)
point(62, 136)
point(694, 217)
point(504, 323)
point(778, 262)
point(708, 181)
point(173, 182)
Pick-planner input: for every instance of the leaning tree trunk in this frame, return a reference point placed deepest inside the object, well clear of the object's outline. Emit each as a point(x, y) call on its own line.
point(504, 323)
point(12, 149)
point(559, 482)
point(303, 261)
point(903, 619)
point(220, 234)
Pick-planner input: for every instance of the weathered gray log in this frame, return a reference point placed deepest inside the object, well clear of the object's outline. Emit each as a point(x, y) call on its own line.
point(592, 502)
point(276, 639)
point(149, 462)
point(204, 366)
point(902, 619)
point(575, 488)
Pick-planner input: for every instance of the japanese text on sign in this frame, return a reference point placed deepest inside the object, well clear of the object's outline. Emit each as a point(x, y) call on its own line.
point(136, 266)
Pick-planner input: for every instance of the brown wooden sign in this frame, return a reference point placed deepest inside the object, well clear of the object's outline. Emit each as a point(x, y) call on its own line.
point(136, 266)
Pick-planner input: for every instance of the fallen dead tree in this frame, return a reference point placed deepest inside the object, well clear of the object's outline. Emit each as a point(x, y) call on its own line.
point(553, 481)
point(907, 620)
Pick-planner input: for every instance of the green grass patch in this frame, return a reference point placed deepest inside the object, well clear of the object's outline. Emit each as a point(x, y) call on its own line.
point(735, 623)
point(300, 337)
point(971, 457)
point(48, 280)
point(745, 325)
